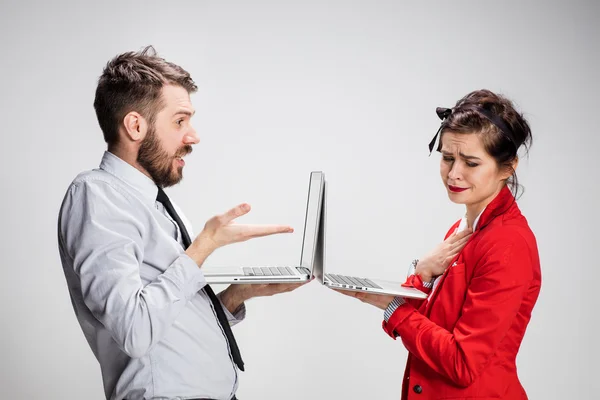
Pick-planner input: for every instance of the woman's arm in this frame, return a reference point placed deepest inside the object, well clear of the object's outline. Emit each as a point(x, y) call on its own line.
point(501, 278)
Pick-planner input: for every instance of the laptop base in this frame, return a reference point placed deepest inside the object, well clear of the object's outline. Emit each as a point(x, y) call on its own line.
point(374, 286)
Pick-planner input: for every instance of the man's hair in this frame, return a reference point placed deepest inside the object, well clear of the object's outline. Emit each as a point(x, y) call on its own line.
point(133, 81)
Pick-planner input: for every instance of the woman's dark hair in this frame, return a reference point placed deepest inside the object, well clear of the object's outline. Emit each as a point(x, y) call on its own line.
point(469, 116)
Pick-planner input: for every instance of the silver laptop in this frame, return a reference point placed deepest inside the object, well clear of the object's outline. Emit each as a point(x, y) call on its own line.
point(282, 273)
point(354, 283)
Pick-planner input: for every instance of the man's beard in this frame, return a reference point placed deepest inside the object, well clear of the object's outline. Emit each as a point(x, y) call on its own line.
point(158, 163)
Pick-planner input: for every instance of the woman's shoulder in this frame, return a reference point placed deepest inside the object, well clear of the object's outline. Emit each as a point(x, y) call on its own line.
point(508, 249)
point(504, 235)
point(513, 226)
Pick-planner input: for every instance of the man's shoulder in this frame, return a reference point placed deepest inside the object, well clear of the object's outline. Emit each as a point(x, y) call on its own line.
point(92, 177)
point(95, 178)
point(98, 185)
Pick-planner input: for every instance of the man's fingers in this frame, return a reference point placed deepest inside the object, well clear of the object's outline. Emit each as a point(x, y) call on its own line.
point(288, 287)
point(253, 231)
point(270, 289)
point(234, 213)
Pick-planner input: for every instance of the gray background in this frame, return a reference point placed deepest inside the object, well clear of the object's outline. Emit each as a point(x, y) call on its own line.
point(349, 88)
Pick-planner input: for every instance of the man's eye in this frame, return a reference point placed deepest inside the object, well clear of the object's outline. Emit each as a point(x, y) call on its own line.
point(449, 159)
point(179, 122)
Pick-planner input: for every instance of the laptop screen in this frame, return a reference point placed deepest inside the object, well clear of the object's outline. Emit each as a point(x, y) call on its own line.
point(311, 222)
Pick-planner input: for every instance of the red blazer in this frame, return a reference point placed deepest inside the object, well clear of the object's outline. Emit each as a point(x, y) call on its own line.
point(463, 340)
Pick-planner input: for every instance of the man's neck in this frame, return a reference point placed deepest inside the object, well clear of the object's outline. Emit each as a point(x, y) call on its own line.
point(129, 157)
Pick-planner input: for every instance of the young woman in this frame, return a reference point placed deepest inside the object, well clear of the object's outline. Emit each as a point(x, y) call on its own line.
point(463, 340)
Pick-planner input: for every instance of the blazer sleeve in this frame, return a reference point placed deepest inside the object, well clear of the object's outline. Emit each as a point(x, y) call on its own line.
point(500, 280)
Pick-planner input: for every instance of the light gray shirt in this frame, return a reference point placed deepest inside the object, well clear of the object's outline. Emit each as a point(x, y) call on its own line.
point(136, 294)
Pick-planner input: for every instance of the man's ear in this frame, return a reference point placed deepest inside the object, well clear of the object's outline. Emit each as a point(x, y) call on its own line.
point(135, 126)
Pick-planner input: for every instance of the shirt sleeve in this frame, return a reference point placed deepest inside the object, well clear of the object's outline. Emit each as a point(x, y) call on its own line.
point(493, 298)
point(237, 316)
point(397, 302)
point(104, 239)
point(414, 281)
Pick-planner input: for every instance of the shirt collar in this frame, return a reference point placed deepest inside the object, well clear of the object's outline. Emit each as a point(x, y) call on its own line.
point(463, 222)
point(130, 175)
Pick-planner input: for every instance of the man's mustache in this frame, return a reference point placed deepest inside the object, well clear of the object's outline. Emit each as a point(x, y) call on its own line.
point(184, 151)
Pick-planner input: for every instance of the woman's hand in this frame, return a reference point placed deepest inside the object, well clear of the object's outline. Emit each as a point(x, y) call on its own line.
point(378, 300)
point(436, 262)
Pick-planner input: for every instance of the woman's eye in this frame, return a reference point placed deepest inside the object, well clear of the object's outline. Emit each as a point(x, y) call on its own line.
point(448, 159)
point(179, 122)
point(472, 165)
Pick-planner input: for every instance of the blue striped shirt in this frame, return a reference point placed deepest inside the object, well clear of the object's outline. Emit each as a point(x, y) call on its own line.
point(136, 294)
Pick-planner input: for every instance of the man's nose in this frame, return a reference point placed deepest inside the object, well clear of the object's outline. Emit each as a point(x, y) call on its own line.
point(191, 137)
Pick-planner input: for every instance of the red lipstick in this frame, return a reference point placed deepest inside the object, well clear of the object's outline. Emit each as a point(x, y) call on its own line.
point(456, 189)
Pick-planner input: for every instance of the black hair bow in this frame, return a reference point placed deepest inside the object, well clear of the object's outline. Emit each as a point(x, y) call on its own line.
point(442, 113)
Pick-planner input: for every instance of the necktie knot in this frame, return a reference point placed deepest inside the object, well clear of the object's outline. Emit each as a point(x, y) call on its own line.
point(161, 196)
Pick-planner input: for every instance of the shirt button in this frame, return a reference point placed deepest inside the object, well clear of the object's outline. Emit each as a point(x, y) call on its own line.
point(417, 389)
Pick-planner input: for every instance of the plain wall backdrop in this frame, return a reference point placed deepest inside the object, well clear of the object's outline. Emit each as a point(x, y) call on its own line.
point(287, 87)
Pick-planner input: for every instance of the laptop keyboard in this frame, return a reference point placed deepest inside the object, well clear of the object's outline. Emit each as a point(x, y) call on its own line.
point(267, 271)
point(352, 281)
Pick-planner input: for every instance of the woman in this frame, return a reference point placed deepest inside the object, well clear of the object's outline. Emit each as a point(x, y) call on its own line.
point(463, 340)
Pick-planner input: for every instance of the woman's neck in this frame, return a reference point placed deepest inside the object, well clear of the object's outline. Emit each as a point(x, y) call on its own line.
point(472, 213)
point(473, 210)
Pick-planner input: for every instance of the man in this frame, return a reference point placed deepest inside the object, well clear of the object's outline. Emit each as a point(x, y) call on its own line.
point(133, 273)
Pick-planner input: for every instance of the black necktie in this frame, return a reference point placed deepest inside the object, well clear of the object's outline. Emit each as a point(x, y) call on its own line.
point(235, 351)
